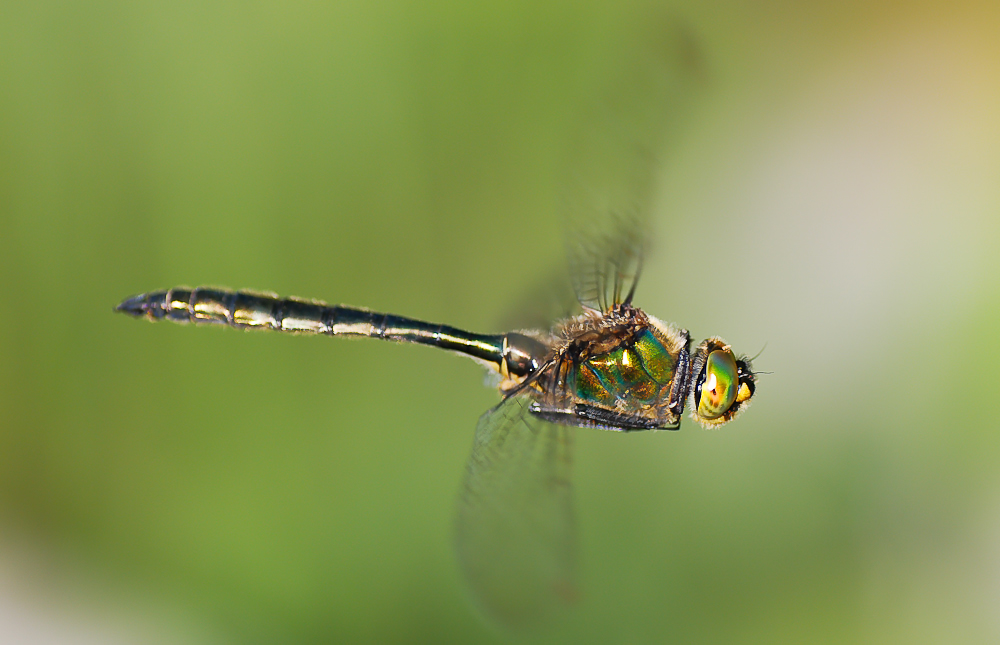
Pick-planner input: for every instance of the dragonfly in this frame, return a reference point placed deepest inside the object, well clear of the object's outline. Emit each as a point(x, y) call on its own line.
point(612, 366)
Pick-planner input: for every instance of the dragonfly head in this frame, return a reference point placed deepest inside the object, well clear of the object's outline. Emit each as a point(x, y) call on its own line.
point(722, 384)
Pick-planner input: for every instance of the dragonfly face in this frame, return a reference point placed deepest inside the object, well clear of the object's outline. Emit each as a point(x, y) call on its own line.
point(722, 384)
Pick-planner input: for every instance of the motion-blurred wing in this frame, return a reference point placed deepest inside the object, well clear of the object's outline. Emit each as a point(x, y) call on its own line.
point(621, 137)
point(515, 533)
point(605, 265)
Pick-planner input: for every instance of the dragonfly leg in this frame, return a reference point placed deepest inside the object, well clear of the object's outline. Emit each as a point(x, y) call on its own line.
point(593, 417)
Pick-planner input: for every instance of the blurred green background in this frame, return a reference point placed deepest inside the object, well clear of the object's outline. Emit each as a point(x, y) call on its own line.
point(829, 187)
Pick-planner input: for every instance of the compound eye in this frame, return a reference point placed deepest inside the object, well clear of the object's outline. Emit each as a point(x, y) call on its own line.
point(720, 385)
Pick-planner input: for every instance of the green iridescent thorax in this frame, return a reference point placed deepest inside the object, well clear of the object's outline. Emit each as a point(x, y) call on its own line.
point(635, 374)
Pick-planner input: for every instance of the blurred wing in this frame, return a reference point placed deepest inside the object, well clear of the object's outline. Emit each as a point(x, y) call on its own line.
point(605, 266)
point(616, 149)
point(515, 532)
point(549, 299)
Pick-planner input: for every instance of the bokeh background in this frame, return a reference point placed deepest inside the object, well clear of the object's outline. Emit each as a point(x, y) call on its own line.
point(828, 185)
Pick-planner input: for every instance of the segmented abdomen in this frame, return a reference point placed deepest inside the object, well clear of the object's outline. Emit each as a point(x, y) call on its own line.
point(245, 309)
point(512, 354)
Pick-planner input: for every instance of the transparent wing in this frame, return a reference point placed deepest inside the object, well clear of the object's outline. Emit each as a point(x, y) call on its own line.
point(515, 532)
point(622, 134)
point(605, 265)
point(548, 299)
